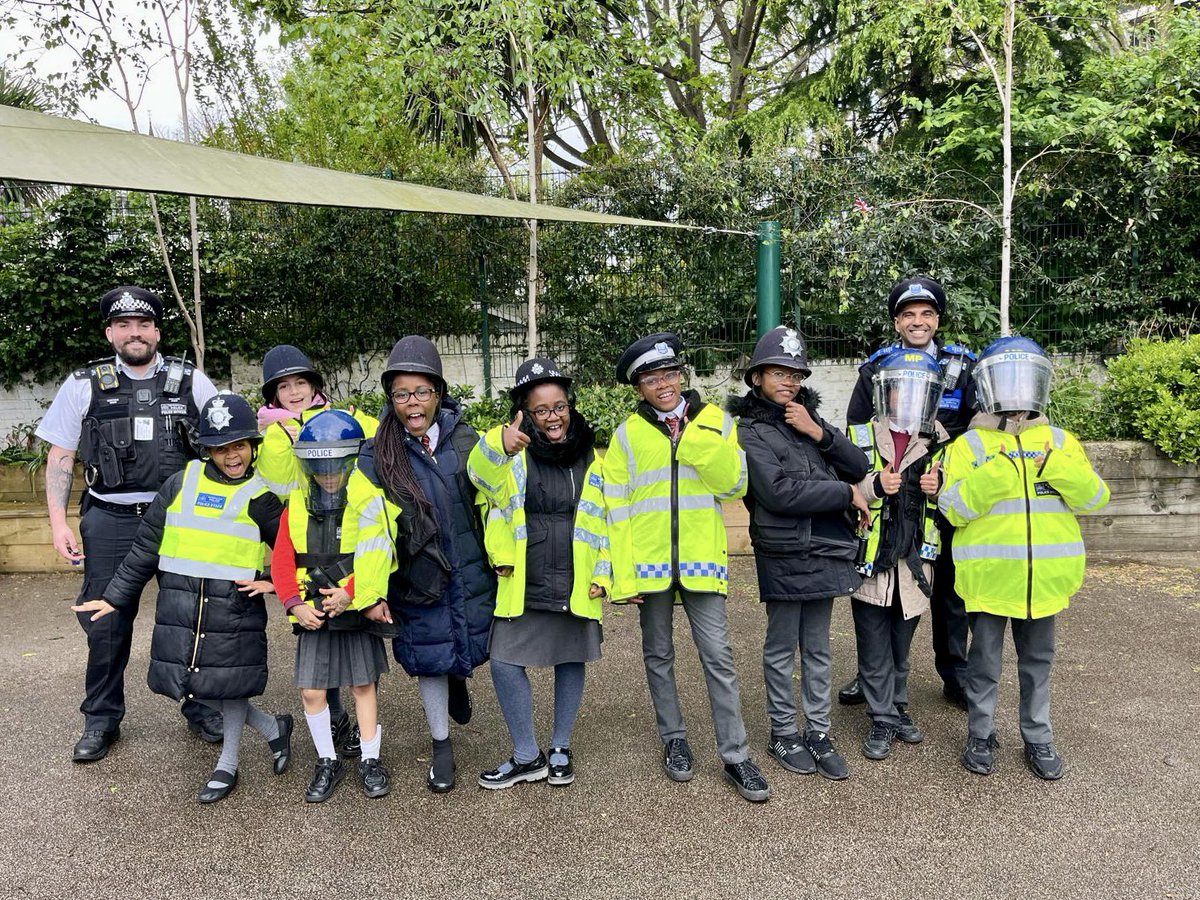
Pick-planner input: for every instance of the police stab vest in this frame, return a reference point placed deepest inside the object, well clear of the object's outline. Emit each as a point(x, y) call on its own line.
point(130, 439)
point(903, 525)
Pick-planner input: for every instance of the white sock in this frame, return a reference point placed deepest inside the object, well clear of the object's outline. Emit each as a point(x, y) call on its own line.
point(318, 727)
point(370, 749)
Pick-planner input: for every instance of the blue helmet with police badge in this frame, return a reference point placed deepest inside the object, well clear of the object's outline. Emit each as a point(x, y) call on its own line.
point(1013, 375)
point(327, 448)
point(908, 388)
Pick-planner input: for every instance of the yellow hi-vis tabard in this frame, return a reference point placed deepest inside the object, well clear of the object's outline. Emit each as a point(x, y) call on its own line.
point(1017, 549)
point(208, 531)
point(374, 520)
point(502, 478)
point(931, 540)
point(298, 519)
point(663, 499)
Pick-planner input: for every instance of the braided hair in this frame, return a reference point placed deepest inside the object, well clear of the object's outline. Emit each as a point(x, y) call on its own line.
point(395, 468)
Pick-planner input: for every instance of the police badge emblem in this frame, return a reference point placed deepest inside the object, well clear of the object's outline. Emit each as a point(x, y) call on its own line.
point(219, 415)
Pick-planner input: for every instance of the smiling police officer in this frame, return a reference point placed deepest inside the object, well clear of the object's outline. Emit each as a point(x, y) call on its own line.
point(120, 415)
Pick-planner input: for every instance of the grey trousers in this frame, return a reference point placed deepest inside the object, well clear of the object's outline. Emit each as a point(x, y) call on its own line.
point(884, 639)
point(710, 631)
point(792, 623)
point(1034, 640)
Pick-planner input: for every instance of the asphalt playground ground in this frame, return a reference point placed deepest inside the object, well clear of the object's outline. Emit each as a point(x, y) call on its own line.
point(1124, 822)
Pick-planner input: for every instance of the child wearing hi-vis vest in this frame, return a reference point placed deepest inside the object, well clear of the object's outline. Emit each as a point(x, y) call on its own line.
point(340, 639)
point(1014, 484)
point(204, 535)
point(896, 557)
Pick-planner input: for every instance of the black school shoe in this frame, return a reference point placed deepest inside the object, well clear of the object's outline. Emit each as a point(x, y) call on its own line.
point(878, 744)
point(281, 747)
point(328, 773)
point(1043, 761)
point(210, 728)
point(513, 772)
point(560, 775)
point(459, 706)
point(677, 760)
point(955, 696)
point(749, 781)
point(94, 744)
point(851, 694)
point(346, 739)
point(789, 751)
point(907, 730)
point(829, 762)
point(376, 780)
point(225, 781)
point(979, 756)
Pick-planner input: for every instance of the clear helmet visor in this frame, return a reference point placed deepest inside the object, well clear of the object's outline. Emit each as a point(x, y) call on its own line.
point(907, 399)
point(1014, 382)
point(327, 471)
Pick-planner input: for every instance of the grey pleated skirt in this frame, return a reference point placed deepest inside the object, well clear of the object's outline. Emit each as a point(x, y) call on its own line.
point(331, 659)
point(542, 638)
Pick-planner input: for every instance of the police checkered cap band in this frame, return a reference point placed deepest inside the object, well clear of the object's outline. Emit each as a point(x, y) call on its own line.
point(129, 305)
point(660, 352)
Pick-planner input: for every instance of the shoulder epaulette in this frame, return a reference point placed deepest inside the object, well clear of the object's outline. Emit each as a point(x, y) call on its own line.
point(958, 350)
point(188, 368)
point(85, 372)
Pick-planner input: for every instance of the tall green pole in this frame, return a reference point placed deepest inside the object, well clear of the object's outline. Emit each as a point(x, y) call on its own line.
point(768, 276)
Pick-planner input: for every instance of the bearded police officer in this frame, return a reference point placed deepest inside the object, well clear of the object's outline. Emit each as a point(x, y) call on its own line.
point(120, 416)
point(917, 306)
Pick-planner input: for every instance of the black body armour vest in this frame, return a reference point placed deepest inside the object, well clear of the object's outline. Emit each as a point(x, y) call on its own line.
point(130, 439)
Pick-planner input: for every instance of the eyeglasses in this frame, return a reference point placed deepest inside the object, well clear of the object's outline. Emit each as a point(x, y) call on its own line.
point(542, 412)
point(671, 376)
point(421, 393)
point(781, 375)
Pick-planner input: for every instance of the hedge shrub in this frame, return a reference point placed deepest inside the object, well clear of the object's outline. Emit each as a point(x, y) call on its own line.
point(1155, 388)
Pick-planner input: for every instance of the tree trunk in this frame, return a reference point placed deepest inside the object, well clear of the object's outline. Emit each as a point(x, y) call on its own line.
point(1007, 200)
point(535, 172)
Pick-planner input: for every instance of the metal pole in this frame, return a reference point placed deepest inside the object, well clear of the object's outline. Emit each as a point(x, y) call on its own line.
point(768, 276)
point(485, 336)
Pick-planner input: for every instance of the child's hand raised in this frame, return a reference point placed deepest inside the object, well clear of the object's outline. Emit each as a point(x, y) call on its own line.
point(931, 481)
point(797, 415)
point(889, 479)
point(515, 440)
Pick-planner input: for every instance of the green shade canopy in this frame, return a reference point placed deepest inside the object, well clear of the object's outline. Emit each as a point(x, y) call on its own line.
point(38, 147)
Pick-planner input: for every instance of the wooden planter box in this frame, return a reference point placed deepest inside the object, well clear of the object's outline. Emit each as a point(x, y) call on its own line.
point(1153, 516)
point(24, 527)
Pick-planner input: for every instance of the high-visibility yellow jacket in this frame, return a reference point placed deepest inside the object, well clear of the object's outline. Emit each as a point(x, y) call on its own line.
point(663, 499)
point(277, 464)
point(502, 479)
point(208, 531)
point(298, 518)
point(1017, 547)
point(372, 516)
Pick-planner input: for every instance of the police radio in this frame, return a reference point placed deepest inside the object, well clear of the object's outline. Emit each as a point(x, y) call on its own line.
point(174, 375)
point(953, 371)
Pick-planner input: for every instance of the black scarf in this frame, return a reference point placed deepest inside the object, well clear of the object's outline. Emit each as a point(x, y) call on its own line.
point(580, 440)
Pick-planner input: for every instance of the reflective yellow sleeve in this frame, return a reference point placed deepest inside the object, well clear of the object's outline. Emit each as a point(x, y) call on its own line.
point(375, 549)
point(275, 463)
point(716, 456)
point(490, 468)
point(1070, 472)
point(617, 489)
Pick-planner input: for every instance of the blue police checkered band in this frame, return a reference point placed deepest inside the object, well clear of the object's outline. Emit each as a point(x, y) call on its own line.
point(703, 570)
point(929, 552)
point(595, 480)
point(587, 506)
point(866, 569)
point(595, 541)
point(652, 570)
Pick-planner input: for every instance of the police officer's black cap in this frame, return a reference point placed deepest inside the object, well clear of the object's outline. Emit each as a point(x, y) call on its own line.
point(282, 361)
point(782, 346)
point(541, 370)
point(655, 351)
point(128, 300)
point(919, 289)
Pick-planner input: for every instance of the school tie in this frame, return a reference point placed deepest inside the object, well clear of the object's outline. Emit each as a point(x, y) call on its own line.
point(673, 424)
point(425, 442)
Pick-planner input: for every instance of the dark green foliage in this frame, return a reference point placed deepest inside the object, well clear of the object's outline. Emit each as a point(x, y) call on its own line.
point(1154, 391)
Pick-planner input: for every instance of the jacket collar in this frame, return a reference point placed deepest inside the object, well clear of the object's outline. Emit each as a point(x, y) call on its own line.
point(756, 408)
point(998, 422)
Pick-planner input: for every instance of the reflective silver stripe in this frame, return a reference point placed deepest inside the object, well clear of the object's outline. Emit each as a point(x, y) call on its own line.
point(497, 459)
point(495, 513)
point(1010, 551)
point(212, 524)
point(520, 533)
point(595, 541)
point(975, 442)
point(737, 488)
point(375, 544)
point(371, 513)
point(862, 437)
point(726, 425)
point(589, 508)
point(603, 567)
point(278, 487)
point(652, 504)
point(486, 486)
point(197, 569)
point(1058, 438)
point(620, 491)
point(1036, 504)
point(1096, 500)
point(651, 477)
point(622, 437)
point(951, 499)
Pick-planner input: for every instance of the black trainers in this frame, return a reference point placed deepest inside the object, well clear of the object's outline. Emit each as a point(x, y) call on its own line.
point(677, 759)
point(459, 706)
point(281, 747)
point(851, 694)
point(326, 776)
point(789, 751)
point(907, 730)
point(376, 780)
point(512, 772)
point(979, 756)
point(878, 744)
point(561, 774)
point(1043, 761)
point(829, 762)
point(749, 780)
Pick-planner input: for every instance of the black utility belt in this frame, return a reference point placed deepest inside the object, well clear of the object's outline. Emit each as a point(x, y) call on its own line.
point(121, 509)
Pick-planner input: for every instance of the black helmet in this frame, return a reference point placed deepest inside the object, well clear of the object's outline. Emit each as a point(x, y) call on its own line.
point(780, 346)
point(417, 355)
point(129, 300)
point(285, 360)
point(918, 289)
point(655, 351)
point(227, 418)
